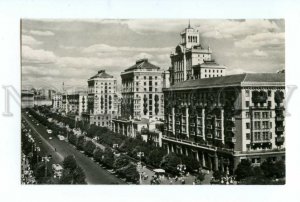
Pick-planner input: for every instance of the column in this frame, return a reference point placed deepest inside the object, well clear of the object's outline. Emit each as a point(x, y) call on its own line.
point(222, 126)
point(222, 164)
point(181, 151)
point(187, 121)
point(203, 159)
point(184, 67)
point(197, 155)
point(123, 129)
point(203, 123)
point(173, 120)
point(216, 162)
point(168, 148)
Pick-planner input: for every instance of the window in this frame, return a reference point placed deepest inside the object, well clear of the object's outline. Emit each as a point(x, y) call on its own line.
point(137, 83)
point(145, 89)
point(150, 89)
point(265, 115)
point(257, 125)
point(156, 83)
point(247, 136)
point(145, 83)
point(247, 93)
point(247, 125)
point(269, 104)
point(257, 115)
point(137, 77)
point(145, 77)
point(269, 93)
point(247, 115)
point(137, 89)
point(247, 103)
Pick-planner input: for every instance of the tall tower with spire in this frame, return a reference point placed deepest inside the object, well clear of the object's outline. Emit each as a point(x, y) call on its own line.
point(190, 36)
point(191, 61)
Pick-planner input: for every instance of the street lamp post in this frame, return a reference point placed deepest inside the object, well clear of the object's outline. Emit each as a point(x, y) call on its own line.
point(181, 168)
point(46, 159)
point(139, 165)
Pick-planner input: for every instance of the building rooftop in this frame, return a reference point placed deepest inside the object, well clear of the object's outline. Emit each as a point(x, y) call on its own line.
point(232, 80)
point(142, 64)
point(102, 74)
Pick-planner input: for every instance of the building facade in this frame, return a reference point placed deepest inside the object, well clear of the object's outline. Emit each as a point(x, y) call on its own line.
point(75, 104)
point(142, 95)
point(191, 61)
point(142, 102)
point(220, 121)
point(57, 101)
point(102, 99)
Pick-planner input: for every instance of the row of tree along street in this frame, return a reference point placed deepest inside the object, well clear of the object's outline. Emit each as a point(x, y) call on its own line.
point(42, 164)
point(154, 157)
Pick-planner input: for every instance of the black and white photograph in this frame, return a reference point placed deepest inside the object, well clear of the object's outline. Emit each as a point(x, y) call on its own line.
point(153, 101)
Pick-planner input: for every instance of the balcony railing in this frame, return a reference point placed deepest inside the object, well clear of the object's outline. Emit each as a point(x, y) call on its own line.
point(280, 128)
point(279, 118)
point(279, 139)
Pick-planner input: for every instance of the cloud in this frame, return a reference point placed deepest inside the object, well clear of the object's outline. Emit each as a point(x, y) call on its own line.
point(256, 52)
point(30, 41)
point(30, 55)
point(104, 48)
point(41, 33)
point(233, 28)
point(261, 40)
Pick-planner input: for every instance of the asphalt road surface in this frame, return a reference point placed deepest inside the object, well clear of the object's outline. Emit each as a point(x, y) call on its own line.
point(94, 173)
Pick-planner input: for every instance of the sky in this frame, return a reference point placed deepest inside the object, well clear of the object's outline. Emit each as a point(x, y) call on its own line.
point(71, 51)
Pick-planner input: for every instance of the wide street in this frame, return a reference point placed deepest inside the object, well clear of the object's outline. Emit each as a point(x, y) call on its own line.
point(94, 173)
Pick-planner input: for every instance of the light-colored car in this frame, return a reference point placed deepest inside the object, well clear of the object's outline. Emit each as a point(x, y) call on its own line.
point(50, 138)
point(49, 131)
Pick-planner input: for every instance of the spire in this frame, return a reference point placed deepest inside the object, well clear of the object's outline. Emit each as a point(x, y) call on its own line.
point(189, 24)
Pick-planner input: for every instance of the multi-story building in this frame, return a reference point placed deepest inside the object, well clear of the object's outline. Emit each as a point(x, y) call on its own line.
point(75, 104)
point(220, 121)
point(142, 97)
point(57, 101)
point(102, 99)
point(191, 61)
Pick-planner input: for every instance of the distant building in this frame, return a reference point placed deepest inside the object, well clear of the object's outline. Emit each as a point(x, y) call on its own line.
point(102, 99)
point(27, 99)
point(57, 101)
point(74, 104)
point(221, 121)
point(142, 98)
point(191, 61)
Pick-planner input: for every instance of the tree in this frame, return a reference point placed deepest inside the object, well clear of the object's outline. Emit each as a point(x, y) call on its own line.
point(108, 157)
point(191, 164)
point(170, 162)
point(39, 173)
point(200, 177)
point(121, 162)
point(155, 157)
point(243, 170)
point(129, 172)
point(80, 143)
point(98, 154)
point(89, 148)
point(72, 139)
point(70, 163)
point(273, 169)
point(78, 176)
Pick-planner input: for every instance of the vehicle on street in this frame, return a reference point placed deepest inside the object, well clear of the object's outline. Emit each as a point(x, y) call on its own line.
point(50, 138)
point(49, 131)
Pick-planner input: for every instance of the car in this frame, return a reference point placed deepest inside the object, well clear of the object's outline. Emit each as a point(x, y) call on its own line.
point(50, 138)
point(49, 131)
point(37, 124)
